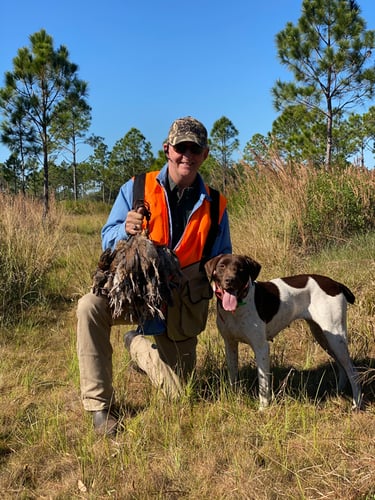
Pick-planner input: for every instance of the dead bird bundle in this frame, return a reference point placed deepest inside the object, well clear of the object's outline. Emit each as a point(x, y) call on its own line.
point(138, 277)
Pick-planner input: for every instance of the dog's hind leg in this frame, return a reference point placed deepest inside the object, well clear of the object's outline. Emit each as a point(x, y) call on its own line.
point(336, 346)
point(347, 371)
point(339, 351)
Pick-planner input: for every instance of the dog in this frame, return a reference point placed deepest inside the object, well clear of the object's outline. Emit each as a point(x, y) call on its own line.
point(254, 312)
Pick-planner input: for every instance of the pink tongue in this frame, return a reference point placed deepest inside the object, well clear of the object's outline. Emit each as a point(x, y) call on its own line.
point(229, 301)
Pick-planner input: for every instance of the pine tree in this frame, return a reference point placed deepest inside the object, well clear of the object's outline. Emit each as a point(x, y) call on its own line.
point(42, 77)
point(223, 143)
point(329, 53)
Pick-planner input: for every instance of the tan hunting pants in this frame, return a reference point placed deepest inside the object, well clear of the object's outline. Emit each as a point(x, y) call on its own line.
point(166, 362)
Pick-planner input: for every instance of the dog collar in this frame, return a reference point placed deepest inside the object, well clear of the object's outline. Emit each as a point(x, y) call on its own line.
point(243, 293)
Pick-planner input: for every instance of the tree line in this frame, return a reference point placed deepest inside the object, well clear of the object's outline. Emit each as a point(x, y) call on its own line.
point(46, 113)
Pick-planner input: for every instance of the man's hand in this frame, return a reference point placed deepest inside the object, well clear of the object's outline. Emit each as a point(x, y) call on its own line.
point(133, 222)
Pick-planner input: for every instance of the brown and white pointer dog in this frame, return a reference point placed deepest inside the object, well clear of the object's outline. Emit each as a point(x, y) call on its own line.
point(254, 312)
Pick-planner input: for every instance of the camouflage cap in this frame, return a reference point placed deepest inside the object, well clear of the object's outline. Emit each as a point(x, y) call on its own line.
point(188, 129)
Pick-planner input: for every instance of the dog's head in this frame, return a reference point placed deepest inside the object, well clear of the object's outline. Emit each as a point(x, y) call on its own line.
point(232, 275)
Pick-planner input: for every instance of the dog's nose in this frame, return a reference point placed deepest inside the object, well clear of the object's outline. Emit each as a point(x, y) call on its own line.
point(228, 281)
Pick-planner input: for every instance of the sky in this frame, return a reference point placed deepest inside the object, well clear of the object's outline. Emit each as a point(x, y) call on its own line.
point(148, 62)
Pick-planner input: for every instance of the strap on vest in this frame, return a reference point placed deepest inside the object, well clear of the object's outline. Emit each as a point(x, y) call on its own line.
point(139, 189)
point(212, 233)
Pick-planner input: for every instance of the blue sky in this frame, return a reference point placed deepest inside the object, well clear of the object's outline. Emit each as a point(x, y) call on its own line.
point(149, 62)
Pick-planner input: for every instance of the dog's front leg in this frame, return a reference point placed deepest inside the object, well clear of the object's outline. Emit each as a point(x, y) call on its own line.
point(262, 357)
point(231, 354)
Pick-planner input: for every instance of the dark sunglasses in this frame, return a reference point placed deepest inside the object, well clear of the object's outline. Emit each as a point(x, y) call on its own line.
point(182, 147)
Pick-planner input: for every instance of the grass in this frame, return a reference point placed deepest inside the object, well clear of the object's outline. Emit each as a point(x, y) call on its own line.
point(213, 443)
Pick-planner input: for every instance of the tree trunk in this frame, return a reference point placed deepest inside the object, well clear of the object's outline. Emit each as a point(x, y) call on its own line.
point(75, 189)
point(328, 158)
point(45, 170)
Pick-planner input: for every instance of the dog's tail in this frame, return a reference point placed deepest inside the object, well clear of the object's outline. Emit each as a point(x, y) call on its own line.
point(347, 293)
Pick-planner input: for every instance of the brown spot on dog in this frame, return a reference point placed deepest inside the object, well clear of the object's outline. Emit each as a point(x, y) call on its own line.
point(328, 285)
point(267, 300)
point(298, 281)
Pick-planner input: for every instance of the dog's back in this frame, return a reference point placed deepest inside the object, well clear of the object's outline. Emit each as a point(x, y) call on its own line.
point(304, 296)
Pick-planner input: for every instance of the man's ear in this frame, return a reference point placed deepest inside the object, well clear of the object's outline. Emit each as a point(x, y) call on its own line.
point(166, 150)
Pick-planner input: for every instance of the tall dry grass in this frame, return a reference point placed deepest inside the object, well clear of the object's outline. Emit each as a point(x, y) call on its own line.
point(286, 212)
point(212, 443)
point(29, 246)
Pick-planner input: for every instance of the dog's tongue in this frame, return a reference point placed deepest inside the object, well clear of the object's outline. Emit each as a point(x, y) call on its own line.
point(229, 301)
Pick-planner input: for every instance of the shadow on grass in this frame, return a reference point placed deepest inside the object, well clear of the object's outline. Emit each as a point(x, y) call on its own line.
point(315, 384)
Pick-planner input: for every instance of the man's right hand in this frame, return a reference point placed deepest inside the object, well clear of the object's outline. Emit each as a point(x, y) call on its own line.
point(133, 222)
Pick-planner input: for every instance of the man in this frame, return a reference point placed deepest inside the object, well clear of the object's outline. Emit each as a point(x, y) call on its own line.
point(181, 212)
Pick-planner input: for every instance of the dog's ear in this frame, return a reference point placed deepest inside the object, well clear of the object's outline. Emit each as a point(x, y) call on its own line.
point(210, 266)
point(254, 267)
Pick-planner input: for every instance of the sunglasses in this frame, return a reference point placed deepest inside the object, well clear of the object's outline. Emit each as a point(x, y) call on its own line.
point(182, 147)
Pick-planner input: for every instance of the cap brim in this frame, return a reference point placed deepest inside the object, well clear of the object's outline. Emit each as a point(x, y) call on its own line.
point(187, 138)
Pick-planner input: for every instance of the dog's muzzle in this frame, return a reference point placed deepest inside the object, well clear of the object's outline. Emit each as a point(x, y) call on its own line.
point(230, 300)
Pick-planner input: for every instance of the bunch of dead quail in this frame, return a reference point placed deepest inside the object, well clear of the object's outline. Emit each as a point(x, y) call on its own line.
point(138, 277)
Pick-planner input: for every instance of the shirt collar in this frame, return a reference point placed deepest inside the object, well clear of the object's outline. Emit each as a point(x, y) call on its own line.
point(162, 178)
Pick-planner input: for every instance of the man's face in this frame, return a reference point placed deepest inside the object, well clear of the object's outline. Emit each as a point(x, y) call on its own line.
point(184, 160)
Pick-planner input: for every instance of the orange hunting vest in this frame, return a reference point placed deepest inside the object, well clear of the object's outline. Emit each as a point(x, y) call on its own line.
point(191, 245)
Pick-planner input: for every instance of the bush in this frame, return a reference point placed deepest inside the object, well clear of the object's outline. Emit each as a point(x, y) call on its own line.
point(339, 204)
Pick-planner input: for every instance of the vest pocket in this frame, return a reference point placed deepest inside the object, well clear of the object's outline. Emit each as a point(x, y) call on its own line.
point(188, 316)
